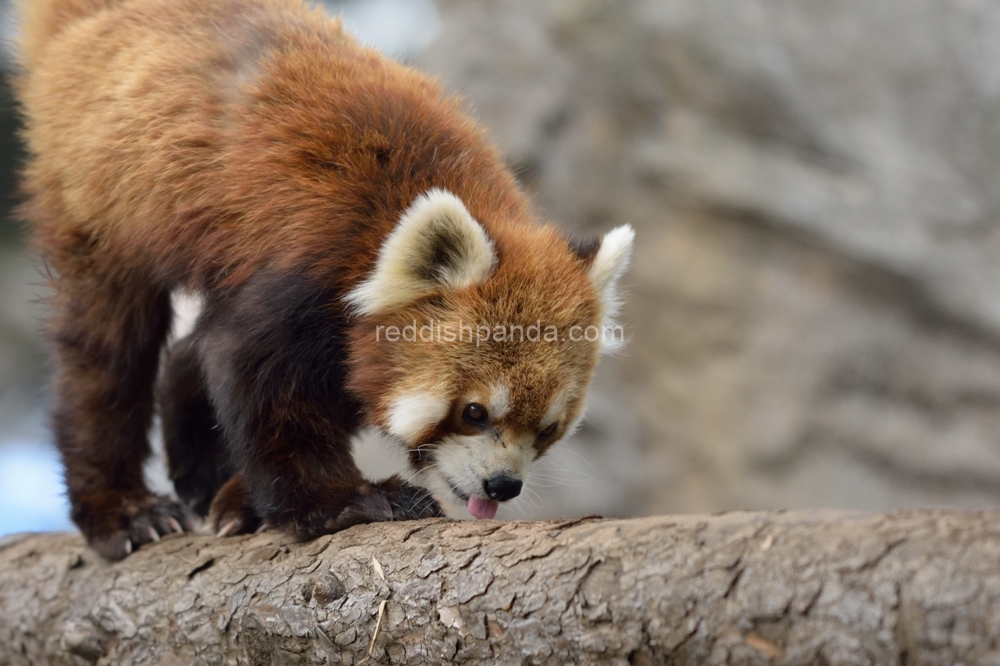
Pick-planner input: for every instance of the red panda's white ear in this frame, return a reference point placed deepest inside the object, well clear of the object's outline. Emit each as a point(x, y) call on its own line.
point(606, 269)
point(436, 245)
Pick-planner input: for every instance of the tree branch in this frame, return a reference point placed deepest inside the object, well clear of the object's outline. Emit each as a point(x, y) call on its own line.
point(920, 587)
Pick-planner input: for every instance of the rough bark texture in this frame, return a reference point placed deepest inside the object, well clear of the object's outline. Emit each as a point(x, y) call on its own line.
point(918, 587)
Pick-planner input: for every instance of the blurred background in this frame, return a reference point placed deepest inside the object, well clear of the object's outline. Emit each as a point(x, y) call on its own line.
point(815, 297)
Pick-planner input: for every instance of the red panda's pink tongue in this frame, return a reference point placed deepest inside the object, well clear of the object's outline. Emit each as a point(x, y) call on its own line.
point(483, 509)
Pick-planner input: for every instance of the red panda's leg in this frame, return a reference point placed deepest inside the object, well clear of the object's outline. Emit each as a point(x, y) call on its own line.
point(274, 359)
point(107, 332)
point(288, 430)
point(192, 438)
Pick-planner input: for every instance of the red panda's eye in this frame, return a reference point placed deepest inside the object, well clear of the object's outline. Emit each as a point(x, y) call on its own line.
point(474, 414)
point(549, 430)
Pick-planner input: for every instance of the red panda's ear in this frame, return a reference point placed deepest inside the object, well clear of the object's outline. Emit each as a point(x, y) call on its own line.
point(585, 249)
point(436, 245)
point(606, 268)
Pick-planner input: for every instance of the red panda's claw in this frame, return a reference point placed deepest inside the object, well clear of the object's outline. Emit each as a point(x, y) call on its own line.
point(129, 522)
point(230, 528)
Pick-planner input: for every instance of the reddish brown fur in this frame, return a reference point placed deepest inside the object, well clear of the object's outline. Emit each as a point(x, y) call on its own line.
point(251, 151)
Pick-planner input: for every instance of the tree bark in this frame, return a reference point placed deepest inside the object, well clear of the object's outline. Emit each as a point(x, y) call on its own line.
point(918, 587)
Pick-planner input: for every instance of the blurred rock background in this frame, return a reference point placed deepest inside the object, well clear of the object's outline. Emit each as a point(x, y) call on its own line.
point(815, 298)
point(30, 481)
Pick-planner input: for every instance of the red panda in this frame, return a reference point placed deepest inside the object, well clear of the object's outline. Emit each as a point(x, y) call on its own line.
point(319, 197)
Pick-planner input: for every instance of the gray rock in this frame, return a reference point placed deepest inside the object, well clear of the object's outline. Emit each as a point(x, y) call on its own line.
point(815, 301)
point(21, 355)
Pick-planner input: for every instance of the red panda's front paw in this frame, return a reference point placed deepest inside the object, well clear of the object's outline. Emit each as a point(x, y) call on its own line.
point(231, 512)
point(117, 524)
point(388, 500)
point(393, 499)
point(369, 505)
point(409, 502)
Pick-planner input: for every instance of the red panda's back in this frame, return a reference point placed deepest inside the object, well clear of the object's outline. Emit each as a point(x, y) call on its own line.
point(207, 138)
point(129, 108)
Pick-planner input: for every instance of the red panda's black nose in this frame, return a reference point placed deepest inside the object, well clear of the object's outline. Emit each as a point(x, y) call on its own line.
point(502, 487)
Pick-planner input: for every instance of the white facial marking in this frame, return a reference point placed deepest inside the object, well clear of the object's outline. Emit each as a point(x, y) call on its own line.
point(413, 413)
point(499, 401)
point(572, 427)
point(609, 264)
point(556, 409)
point(436, 244)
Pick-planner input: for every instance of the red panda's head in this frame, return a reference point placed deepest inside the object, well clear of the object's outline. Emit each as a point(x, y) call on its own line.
point(478, 343)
